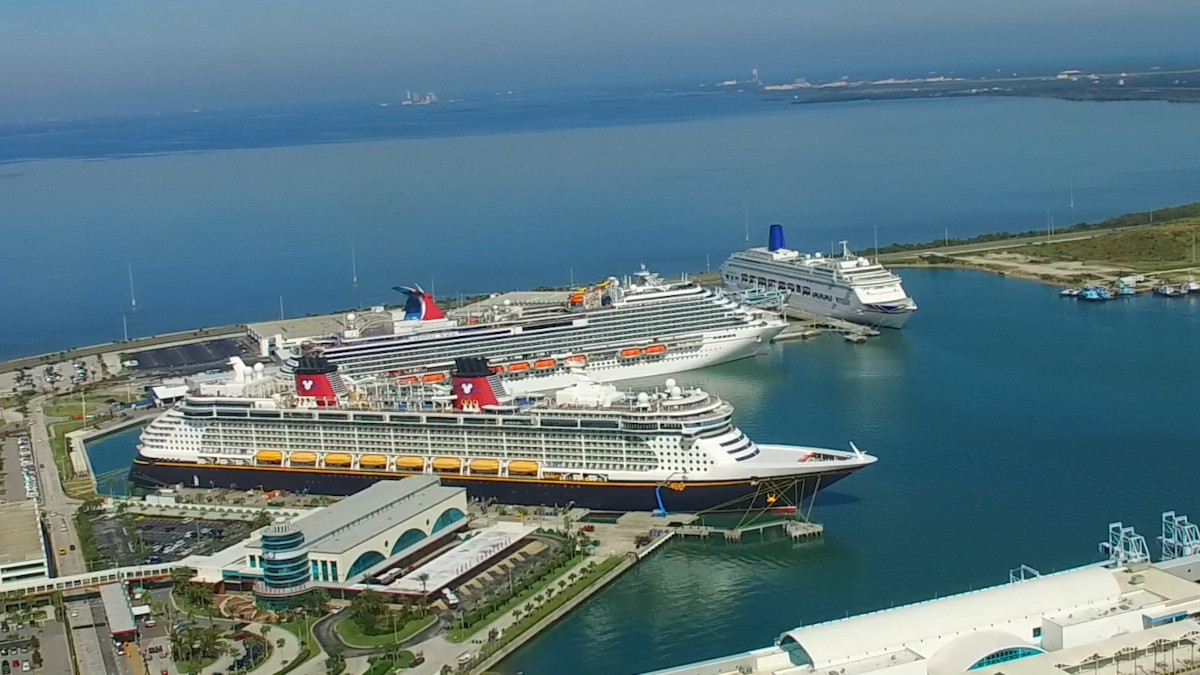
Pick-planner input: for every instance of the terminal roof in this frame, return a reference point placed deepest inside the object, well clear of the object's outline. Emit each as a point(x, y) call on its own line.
point(345, 524)
point(116, 607)
point(21, 536)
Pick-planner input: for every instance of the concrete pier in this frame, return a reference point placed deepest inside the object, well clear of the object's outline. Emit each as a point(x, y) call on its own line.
point(805, 324)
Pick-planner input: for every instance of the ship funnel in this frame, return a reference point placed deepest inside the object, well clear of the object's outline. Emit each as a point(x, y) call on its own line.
point(775, 239)
point(318, 379)
point(475, 386)
point(419, 305)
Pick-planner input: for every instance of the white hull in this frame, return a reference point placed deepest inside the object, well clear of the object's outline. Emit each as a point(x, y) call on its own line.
point(714, 351)
point(851, 310)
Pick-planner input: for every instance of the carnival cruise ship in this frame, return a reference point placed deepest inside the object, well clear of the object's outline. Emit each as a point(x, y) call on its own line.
point(675, 449)
point(848, 287)
point(620, 329)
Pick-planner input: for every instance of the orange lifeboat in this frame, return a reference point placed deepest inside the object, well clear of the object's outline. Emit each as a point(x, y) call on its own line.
point(434, 377)
point(485, 466)
point(338, 460)
point(524, 468)
point(372, 462)
point(630, 353)
point(543, 364)
point(410, 463)
point(303, 458)
point(518, 367)
point(447, 464)
point(408, 380)
point(576, 360)
point(269, 457)
point(496, 370)
point(655, 350)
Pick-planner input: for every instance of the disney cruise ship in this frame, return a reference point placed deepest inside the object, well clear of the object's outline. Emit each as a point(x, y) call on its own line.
point(616, 330)
point(675, 449)
point(848, 287)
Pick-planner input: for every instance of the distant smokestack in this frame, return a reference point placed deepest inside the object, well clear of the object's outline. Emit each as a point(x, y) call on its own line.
point(775, 240)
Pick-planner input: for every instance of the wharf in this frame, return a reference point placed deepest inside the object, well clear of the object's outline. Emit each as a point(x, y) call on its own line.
point(803, 325)
point(797, 530)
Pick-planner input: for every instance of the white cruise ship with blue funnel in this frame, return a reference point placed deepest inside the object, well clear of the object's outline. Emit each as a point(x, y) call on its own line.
point(847, 287)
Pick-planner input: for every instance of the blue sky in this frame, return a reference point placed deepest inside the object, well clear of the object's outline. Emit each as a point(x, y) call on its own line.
point(74, 58)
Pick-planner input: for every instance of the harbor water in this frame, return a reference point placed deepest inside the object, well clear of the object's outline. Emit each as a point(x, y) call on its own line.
point(490, 196)
point(1012, 426)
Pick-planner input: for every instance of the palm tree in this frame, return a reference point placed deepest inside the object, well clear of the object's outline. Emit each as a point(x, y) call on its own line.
point(264, 629)
point(516, 614)
point(562, 585)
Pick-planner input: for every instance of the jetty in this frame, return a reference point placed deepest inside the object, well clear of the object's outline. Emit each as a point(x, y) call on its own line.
point(803, 325)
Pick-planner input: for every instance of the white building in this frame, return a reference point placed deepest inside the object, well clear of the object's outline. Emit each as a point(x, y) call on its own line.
point(23, 553)
point(1079, 622)
point(351, 536)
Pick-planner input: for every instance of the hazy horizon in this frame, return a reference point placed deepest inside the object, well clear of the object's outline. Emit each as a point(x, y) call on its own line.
point(74, 59)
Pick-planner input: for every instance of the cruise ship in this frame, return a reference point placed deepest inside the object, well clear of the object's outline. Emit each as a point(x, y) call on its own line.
point(642, 326)
point(590, 444)
point(847, 287)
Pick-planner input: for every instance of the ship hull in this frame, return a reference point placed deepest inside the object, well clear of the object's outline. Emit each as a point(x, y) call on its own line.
point(713, 352)
point(854, 312)
point(734, 495)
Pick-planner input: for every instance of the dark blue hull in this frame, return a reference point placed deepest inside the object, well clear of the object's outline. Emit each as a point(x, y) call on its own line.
point(696, 496)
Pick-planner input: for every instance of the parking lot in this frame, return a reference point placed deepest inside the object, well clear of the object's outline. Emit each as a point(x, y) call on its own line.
point(21, 632)
point(20, 476)
point(136, 540)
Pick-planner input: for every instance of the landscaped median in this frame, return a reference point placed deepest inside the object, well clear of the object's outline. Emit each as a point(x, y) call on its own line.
point(350, 632)
point(533, 594)
point(538, 614)
point(308, 647)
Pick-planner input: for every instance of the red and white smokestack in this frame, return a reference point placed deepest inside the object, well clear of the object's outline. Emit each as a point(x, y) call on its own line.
point(315, 378)
point(472, 384)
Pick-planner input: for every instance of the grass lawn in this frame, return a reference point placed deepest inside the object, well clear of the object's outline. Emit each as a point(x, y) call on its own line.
point(197, 666)
point(460, 634)
point(349, 631)
point(58, 444)
point(67, 410)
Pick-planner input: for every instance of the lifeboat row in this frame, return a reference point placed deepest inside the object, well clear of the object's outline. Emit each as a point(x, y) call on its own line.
point(574, 361)
point(406, 463)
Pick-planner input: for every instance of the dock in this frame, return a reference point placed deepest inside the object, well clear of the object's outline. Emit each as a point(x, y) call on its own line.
point(796, 530)
point(803, 325)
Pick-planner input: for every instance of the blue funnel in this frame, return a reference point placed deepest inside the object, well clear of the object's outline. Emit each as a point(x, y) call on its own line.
point(775, 240)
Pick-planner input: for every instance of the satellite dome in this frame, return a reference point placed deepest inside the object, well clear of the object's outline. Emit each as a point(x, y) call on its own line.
point(350, 317)
point(643, 397)
point(507, 302)
point(670, 383)
point(676, 392)
point(258, 368)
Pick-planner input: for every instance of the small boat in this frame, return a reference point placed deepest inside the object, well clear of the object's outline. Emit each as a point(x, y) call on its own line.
point(1125, 291)
point(855, 338)
point(1190, 286)
point(1168, 291)
point(1092, 294)
point(1070, 292)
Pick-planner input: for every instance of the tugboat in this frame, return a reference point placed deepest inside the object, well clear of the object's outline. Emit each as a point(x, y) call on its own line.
point(1168, 291)
point(1124, 291)
point(1095, 294)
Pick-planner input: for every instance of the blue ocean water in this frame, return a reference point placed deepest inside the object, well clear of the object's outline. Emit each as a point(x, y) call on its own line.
point(1011, 425)
point(228, 214)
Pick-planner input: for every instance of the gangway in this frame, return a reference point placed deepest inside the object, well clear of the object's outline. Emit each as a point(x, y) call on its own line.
point(1125, 548)
point(1179, 537)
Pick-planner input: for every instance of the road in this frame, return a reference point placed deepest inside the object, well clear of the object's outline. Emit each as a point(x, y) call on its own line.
point(1016, 242)
point(54, 499)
